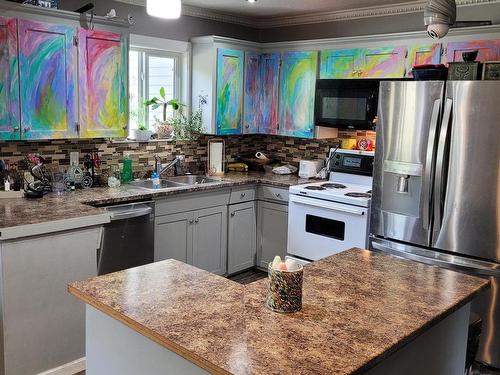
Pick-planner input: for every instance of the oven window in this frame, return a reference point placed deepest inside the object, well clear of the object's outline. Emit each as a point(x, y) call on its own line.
point(344, 108)
point(325, 227)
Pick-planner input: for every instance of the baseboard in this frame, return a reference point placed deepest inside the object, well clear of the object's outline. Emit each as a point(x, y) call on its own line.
point(70, 368)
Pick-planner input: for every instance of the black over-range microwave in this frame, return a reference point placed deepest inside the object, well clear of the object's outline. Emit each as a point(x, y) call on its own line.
point(346, 103)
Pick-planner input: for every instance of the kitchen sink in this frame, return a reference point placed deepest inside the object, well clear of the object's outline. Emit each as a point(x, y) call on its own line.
point(148, 184)
point(171, 182)
point(191, 180)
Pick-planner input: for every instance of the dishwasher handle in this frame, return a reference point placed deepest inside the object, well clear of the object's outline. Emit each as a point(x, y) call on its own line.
point(129, 214)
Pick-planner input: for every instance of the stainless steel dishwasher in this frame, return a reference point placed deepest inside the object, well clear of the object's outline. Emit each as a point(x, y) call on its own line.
point(128, 240)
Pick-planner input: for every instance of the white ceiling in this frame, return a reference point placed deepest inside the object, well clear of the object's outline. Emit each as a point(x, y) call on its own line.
point(280, 8)
point(275, 13)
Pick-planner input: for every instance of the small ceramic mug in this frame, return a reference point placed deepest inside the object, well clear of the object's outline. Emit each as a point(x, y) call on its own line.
point(284, 292)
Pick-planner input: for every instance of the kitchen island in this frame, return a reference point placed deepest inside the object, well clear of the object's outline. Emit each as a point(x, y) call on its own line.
point(363, 312)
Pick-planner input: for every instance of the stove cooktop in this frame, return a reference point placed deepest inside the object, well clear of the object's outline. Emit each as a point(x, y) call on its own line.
point(355, 194)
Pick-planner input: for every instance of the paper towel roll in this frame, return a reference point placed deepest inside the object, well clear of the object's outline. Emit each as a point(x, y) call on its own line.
point(260, 155)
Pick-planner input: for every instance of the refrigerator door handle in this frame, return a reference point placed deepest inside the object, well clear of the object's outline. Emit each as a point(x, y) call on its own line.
point(440, 165)
point(434, 258)
point(429, 163)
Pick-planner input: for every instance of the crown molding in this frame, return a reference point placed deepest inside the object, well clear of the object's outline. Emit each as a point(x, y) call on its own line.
point(313, 18)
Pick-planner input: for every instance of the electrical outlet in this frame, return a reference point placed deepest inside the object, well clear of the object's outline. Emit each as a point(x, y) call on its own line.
point(74, 158)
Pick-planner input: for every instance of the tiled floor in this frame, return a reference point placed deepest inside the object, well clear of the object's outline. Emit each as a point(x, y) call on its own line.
point(249, 276)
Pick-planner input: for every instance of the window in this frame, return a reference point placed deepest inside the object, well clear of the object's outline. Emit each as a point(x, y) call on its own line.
point(150, 70)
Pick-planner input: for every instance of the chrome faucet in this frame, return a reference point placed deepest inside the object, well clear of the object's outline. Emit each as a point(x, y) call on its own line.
point(160, 168)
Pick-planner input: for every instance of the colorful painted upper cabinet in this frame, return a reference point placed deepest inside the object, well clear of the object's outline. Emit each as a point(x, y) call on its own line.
point(489, 50)
point(9, 85)
point(47, 74)
point(103, 84)
point(297, 89)
point(421, 54)
point(269, 75)
point(252, 97)
point(340, 64)
point(230, 66)
point(386, 62)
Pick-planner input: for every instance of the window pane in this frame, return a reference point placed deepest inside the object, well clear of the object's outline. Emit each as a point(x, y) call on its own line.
point(161, 73)
point(134, 91)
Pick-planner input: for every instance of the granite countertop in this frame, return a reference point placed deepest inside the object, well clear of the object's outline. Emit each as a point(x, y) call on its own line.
point(358, 308)
point(80, 203)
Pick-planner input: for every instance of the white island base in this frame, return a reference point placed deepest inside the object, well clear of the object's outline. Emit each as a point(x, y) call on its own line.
point(113, 348)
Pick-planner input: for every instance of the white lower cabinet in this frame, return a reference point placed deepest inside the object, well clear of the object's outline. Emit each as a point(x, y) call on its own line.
point(194, 237)
point(242, 237)
point(174, 237)
point(209, 239)
point(43, 326)
point(272, 235)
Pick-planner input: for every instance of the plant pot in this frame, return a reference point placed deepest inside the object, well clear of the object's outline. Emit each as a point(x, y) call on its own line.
point(164, 130)
point(141, 135)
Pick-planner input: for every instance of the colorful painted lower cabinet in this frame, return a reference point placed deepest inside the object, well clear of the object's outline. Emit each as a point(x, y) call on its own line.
point(297, 89)
point(102, 84)
point(252, 93)
point(10, 124)
point(269, 75)
point(47, 73)
point(229, 98)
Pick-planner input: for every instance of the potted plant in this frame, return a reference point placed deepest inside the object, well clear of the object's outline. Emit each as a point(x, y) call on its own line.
point(164, 128)
point(142, 133)
point(190, 126)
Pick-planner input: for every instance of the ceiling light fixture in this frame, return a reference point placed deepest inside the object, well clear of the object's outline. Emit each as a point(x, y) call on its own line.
point(169, 9)
point(252, 1)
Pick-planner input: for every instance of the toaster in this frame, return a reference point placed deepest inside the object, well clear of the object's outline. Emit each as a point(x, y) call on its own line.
point(310, 168)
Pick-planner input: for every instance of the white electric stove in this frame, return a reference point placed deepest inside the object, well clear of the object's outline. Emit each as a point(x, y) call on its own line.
point(328, 217)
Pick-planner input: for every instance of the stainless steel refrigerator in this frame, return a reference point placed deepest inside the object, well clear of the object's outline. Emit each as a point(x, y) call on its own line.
point(436, 192)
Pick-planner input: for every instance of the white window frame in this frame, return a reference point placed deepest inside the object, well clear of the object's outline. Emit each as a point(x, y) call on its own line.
point(143, 75)
point(178, 50)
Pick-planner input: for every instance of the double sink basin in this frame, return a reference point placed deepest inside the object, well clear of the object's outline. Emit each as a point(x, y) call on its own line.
point(171, 182)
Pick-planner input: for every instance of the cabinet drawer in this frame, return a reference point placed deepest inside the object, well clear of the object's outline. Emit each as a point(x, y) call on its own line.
point(191, 202)
point(242, 195)
point(274, 193)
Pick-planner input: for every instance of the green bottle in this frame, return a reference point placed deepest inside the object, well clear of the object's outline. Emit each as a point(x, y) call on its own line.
point(127, 174)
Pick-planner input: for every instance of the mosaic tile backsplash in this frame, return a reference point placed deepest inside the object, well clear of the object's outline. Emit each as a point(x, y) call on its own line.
point(56, 152)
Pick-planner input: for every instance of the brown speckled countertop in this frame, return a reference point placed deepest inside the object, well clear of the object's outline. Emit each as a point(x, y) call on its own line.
point(21, 211)
point(358, 308)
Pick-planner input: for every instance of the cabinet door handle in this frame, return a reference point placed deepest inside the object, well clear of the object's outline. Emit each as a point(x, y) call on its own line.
point(278, 195)
point(191, 221)
point(233, 214)
point(242, 195)
point(197, 220)
point(15, 128)
point(26, 129)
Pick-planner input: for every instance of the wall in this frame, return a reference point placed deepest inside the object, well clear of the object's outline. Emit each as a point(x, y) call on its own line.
point(181, 29)
point(373, 26)
point(56, 152)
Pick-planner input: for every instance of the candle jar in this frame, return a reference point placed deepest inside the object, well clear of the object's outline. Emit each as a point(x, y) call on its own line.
point(284, 293)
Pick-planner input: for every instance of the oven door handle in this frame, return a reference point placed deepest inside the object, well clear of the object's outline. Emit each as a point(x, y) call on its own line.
point(327, 205)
